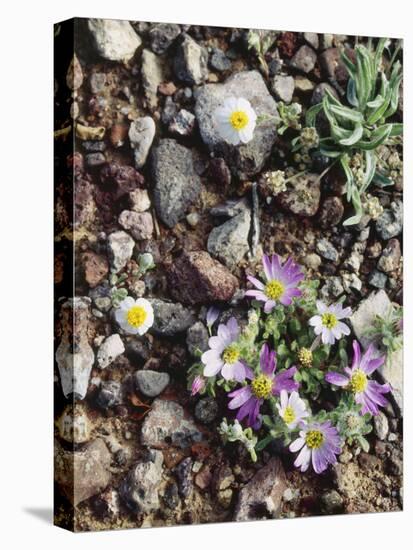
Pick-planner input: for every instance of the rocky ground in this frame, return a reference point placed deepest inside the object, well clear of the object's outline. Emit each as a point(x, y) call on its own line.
point(151, 176)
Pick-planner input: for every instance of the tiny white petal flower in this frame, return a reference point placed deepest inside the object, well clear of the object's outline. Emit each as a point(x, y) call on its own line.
point(235, 120)
point(292, 409)
point(328, 323)
point(134, 316)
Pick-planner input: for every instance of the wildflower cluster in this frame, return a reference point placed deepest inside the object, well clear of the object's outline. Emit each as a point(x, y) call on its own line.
point(278, 367)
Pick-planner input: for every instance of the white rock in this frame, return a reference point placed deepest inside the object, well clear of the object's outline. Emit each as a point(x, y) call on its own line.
point(111, 348)
point(141, 134)
point(114, 40)
point(378, 303)
point(120, 248)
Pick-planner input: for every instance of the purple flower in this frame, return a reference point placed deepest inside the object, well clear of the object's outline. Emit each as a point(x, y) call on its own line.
point(319, 443)
point(223, 355)
point(198, 385)
point(367, 393)
point(266, 384)
point(281, 282)
point(328, 323)
point(211, 316)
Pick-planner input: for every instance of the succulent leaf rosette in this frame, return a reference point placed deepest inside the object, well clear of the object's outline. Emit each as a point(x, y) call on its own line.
point(279, 366)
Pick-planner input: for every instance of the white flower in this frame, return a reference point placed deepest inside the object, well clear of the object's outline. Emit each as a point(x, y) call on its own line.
point(292, 409)
point(235, 120)
point(328, 323)
point(134, 316)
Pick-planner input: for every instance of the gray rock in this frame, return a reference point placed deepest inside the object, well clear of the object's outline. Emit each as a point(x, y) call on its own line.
point(391, 372)
point(304, 59)
point(381, 425)
point(320, 92)
point(206, 410)
point(109, 350)
point(114, 40)
point(327, 250)
point(190, 62)
point(171, 496)
point(283, 87)
point(183, 123)
point(247, 159)
point(261, 497)
point(302, 196)
point(331, 212)
point(351, 282)
point(120, 248)
point(183, 473)
point(141, 134)
point(152, 74)
point(390, 223)
point(390, 258)
point(332, 289)
point(312, 39)
point(170, 318)
point(229, 242)
point(138, 224)
point(140, 489)
point(230, 208)
point(177, 186)
point(75, 362)
point(219, 61)
point(332, 502)
point(83, 473)
point(378, 279)
point(151, 383)
point(166, 425)
point(110, 394)
point(93, 160)
point(161, 36)
point(197, 338)
point(97, 82)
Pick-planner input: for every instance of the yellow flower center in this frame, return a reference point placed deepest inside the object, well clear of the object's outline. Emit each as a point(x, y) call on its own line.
point(358, 381)
point(136, 316)
point(274, 289)
point(289, 415)
point(230, 355)
point(305, 357)
point(262, 386)
point(238, 120)
point(314, 439)
point(329, 320)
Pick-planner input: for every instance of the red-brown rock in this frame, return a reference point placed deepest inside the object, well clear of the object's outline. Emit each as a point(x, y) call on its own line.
point(196, 278)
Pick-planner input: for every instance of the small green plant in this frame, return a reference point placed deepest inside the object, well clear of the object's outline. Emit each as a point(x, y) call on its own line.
point(362, 127)
point(387, 330)
point(290, 117)
point(260, 41)
point(352, 425)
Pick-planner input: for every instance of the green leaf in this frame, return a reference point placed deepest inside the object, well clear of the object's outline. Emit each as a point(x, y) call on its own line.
point(349, 175)
point(346, 113)
point(263, 443)
point(351, 68)
point(378, 137)
point(381, 180)
point(395, 81)
point(385, 92)
point(370, 169)
point(312, 113)
point(354, 137)
point(352, 93)
point(356, 201)
point(378, 53)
